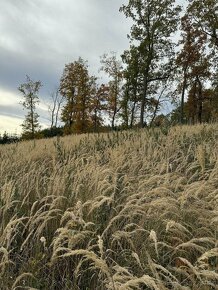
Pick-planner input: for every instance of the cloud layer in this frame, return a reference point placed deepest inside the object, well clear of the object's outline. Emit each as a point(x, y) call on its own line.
point(38, 37)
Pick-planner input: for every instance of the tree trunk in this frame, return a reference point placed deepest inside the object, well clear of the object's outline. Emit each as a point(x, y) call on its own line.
point(200, 101)
point(132, 114)
point(143, 100)
point(32, 119)
point(183, 96)
point(113, 121)
point(155, 112)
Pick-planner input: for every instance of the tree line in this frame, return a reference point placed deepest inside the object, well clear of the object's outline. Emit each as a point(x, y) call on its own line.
point(172, 57)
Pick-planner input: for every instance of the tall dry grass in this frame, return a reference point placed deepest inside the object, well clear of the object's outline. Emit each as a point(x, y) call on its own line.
point(126, 210)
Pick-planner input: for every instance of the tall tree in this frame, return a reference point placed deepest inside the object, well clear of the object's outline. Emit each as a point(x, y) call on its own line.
point(131, 87)
point(98, 105)
point(76, 86)
point(113, 68)
point(192, 43)
point(30, 90)
point(154, 23)
point(200, 76)
point(205, 17)
point(193, 66)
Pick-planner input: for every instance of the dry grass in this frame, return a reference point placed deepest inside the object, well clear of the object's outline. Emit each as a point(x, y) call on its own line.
point(127, 210)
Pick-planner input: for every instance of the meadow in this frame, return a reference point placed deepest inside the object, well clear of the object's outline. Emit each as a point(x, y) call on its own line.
point(113, 211)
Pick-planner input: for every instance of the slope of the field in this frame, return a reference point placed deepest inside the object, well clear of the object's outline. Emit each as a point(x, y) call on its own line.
point(119, 211)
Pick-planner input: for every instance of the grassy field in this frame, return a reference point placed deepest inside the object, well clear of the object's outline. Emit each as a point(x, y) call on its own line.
point(118, 211)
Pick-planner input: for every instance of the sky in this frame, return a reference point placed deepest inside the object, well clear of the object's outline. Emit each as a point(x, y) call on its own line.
point(38, 37)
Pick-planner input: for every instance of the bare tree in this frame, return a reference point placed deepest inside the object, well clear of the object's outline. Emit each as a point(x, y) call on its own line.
point(54, 107)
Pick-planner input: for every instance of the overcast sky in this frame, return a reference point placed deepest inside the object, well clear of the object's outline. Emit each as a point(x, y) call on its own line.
point(38, 37)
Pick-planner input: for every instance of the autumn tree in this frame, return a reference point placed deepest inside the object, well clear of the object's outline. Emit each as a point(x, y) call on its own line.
point(192, 43)
point(214, 100)
point(202, 101)
point(113, 68)
point(194, 69)
point(98, 106)
point(30, 90)
point(198, 91)
point(205, 17)
point(77, 87)
point(154, 23)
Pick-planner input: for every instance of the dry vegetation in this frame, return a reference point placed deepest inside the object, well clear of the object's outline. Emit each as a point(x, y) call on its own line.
point(119, 211)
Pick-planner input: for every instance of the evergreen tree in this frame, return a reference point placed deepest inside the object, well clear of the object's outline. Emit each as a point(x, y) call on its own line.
point(30, 91)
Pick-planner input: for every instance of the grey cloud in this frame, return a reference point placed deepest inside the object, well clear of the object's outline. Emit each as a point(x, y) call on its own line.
point(14, 111)
point(54, 27)
point(15, 68)
point(17, 111)
point(38, 37)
